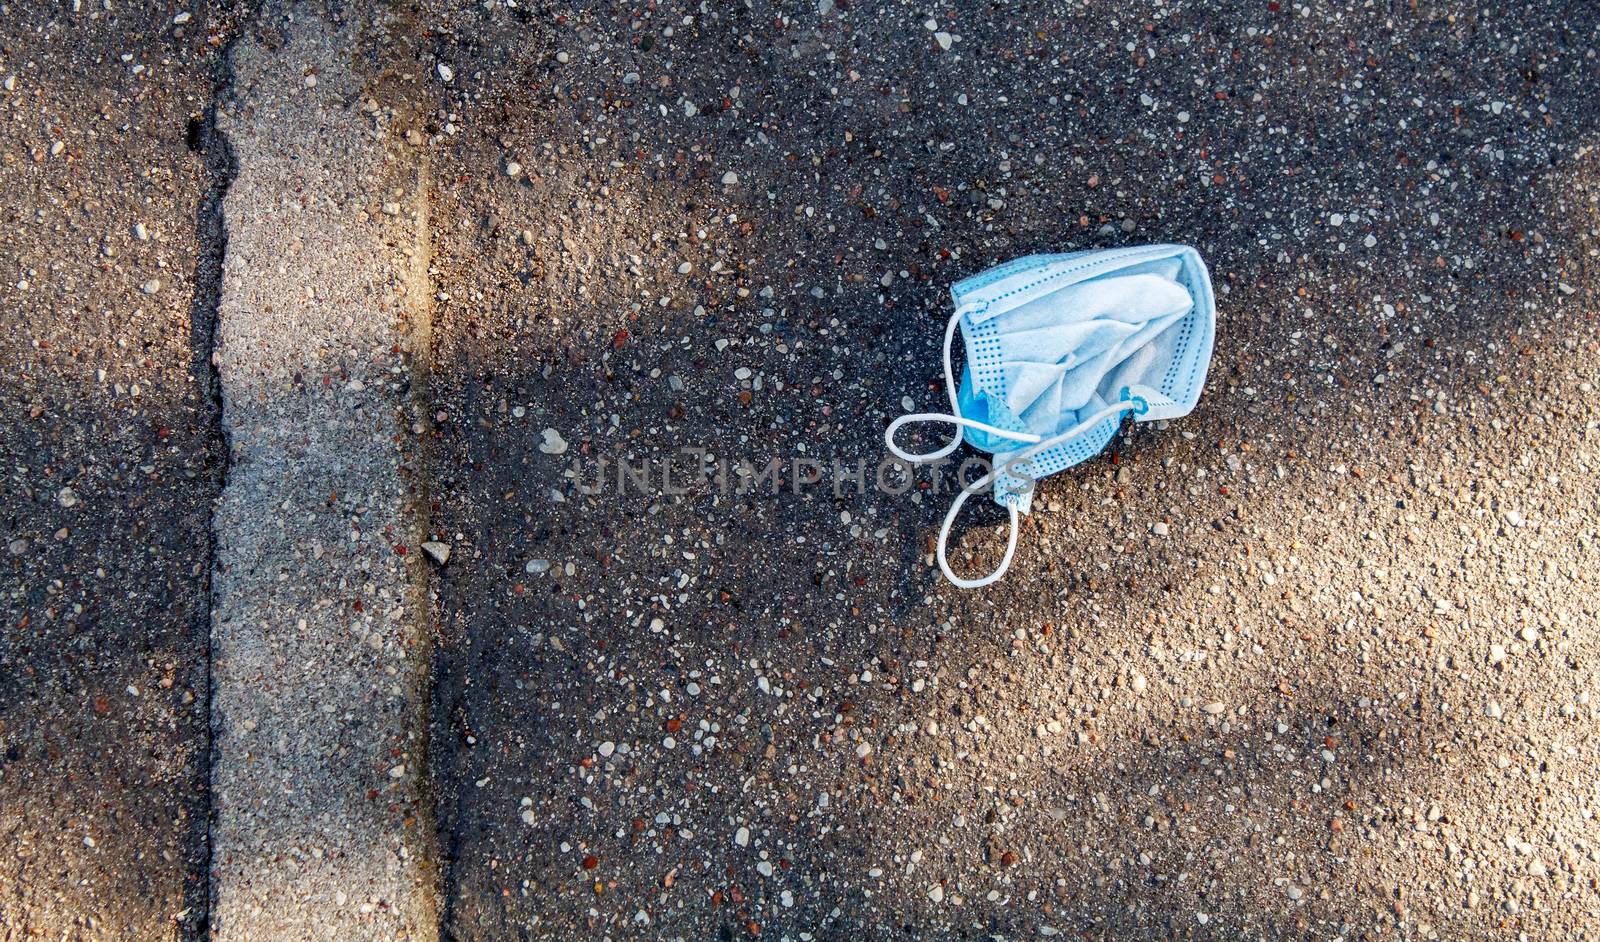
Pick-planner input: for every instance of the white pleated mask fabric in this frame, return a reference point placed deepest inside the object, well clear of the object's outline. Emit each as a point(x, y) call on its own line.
point(1058, 347)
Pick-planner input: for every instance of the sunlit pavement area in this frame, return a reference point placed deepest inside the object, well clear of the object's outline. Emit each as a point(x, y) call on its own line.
point(111, 455)
point(1314, 662)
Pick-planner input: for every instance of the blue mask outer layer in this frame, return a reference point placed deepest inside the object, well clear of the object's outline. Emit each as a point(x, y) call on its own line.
point(1053, 339)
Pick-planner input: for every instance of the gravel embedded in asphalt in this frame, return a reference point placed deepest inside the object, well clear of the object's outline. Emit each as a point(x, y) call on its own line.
point(1316, 661)
point(319, 622)
point(1229, 687)
point(111, 458)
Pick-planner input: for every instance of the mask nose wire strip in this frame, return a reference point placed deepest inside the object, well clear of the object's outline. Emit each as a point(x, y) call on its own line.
point(1117, 408)
point(954, 416)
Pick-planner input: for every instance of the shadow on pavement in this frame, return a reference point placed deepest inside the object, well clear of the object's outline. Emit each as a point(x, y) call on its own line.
point(112, 459)
point(678, 716)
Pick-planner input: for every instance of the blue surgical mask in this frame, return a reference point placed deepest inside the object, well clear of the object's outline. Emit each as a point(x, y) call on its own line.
point(1058, 348)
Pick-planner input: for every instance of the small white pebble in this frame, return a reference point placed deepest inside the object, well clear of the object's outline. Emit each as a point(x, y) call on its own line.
point(553, 443)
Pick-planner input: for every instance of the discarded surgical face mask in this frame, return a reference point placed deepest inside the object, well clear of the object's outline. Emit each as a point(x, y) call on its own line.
point(1058, 347)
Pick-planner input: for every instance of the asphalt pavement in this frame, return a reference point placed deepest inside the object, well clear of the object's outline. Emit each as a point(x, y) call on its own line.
point(112, 456)
point(1314, 662)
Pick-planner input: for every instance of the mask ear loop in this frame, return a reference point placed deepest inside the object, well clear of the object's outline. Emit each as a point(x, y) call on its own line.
point(954, 416)
point(1128, 404)
point(944, 538)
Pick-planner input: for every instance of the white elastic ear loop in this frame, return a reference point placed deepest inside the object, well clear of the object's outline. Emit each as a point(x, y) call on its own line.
point(1134, 404)
point(954, 416)
point(1116, 408)
point(944, 539)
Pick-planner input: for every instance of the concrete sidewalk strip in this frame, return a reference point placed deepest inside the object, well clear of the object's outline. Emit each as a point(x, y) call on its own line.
point(319, 639)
